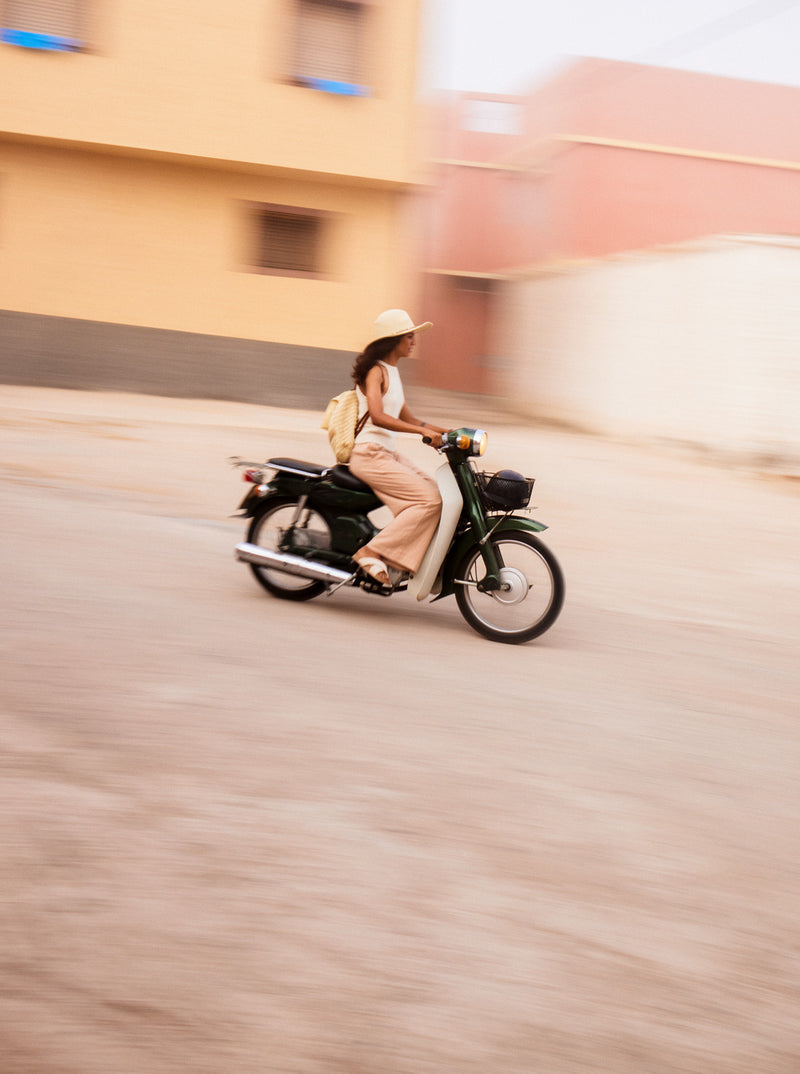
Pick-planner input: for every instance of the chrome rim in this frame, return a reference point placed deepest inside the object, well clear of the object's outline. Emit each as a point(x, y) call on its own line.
point(276, 534)
point(528, 588)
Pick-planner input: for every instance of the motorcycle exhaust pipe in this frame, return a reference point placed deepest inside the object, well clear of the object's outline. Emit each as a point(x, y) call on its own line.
point(279, 561)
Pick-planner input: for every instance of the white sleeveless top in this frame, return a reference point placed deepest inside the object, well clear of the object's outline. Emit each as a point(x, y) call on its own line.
point(393, 402)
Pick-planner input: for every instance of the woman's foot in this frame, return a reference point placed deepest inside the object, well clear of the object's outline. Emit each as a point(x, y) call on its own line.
point(374, 567)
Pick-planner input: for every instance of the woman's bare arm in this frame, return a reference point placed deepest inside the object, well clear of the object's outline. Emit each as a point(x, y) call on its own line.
point(405, 422)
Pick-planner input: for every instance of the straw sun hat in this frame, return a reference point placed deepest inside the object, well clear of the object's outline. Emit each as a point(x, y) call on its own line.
point(396, 323)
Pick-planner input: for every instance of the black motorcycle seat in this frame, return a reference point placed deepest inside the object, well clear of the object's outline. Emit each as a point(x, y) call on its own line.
point(341, 476)
point(297, 466)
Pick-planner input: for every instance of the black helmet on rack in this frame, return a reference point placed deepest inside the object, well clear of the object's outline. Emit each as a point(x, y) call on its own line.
point(508, 489)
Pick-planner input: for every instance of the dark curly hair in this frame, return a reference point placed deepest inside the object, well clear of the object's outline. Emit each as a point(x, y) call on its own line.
point(376, 351)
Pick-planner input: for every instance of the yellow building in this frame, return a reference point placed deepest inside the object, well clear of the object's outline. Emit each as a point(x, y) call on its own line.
point(202, 198)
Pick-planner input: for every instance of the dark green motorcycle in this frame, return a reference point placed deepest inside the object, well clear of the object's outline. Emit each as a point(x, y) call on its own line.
point(308, 520)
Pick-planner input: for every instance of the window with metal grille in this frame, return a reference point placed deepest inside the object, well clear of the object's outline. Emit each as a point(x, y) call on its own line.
point(329, 46)
point(289, 241)
point(44, 24)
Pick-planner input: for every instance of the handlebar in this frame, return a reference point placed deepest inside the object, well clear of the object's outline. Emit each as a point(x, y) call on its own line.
point(471, 441)
point(441, 448)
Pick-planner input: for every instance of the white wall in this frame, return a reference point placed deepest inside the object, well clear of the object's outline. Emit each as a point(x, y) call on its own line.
point(698, 342)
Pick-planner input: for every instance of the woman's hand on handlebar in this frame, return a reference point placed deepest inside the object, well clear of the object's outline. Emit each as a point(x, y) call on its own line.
point(433, 438)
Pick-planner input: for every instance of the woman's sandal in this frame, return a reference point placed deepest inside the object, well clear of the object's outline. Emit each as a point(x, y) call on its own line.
point(374, 568)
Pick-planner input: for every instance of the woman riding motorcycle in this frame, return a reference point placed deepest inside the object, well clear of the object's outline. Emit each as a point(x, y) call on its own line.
point(410, 494)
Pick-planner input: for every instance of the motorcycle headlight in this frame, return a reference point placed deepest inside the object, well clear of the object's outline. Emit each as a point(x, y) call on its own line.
point(471, 440)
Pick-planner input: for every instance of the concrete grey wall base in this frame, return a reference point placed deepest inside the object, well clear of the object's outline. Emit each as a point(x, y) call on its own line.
point(62, 352)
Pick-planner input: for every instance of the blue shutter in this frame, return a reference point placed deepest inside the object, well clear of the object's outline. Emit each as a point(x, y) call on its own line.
point(53, 25)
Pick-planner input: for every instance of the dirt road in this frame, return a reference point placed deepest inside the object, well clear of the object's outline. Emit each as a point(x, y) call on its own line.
point(352, 836)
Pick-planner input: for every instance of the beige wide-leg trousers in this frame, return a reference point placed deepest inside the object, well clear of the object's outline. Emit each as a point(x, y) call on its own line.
point(410, 494)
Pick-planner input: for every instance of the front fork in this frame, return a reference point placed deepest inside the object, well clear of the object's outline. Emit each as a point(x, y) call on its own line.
point(482, 531)
point(493, 560)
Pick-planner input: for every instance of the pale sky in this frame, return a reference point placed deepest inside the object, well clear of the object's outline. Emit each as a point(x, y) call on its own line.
point(510, 46)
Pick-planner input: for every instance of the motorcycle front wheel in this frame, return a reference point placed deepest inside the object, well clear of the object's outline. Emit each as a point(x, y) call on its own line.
point(532, 592)
point(281, 528)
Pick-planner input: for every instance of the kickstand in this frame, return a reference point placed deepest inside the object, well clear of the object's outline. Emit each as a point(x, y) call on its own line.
point(345, 581)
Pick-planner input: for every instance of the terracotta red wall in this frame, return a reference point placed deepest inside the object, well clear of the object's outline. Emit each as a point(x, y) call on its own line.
point(613, 157)
point(607, 198)
point(610, 200)
point(676, 108)
point(465, 228)
point(454, 353)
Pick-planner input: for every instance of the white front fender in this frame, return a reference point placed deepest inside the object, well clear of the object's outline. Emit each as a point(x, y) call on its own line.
point(423, 582)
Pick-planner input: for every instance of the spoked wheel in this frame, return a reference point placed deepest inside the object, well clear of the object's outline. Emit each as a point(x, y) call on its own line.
point(532, 589)
point(281, 527)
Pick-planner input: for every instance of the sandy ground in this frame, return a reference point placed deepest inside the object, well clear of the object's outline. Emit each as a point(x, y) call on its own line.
point(352, 836)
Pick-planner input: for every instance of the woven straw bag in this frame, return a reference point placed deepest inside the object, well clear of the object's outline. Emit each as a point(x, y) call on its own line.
point(341, 421)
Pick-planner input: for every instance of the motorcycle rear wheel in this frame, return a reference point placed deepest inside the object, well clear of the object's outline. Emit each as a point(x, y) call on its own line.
point(532, 595)
point(274, 530)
